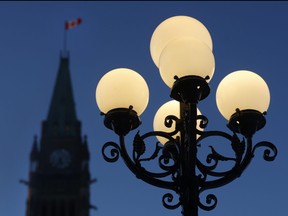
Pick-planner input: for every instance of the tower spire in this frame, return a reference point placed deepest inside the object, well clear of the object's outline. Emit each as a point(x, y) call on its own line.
point(62, 119)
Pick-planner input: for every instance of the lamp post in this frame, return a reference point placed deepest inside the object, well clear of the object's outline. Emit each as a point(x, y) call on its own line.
point(181, 47)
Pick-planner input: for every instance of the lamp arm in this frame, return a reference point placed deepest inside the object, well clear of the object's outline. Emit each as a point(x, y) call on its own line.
point(140, 172)
point(244, 152)
point(170, 152)
point(241, 163)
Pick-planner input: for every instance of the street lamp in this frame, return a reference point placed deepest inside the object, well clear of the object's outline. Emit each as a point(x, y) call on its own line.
point(181, 47)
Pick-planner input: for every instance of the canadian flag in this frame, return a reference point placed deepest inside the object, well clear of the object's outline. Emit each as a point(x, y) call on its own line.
point(73, 23)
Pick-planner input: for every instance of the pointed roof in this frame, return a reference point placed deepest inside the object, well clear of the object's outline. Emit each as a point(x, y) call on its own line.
point(62, 105)
point(34, 154)
point(62, 119)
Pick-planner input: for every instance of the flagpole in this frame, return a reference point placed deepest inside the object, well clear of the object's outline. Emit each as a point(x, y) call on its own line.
point(65, 39)
point(67, 26)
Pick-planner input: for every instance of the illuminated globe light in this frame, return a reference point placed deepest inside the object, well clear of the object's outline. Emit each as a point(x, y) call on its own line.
point(121, 88)
point(169, 108)
point(175, 27)
point(186, 56)
point(243, 90)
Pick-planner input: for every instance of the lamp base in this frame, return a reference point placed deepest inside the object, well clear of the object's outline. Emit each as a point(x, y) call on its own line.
point(122, 120)
point(190, 89)
point(246, 122)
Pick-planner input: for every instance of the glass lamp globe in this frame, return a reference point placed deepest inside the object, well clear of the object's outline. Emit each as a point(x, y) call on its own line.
point(242, 90)
point(169, 108)
point(121, 88)
point(186, 56)
point(174, 27)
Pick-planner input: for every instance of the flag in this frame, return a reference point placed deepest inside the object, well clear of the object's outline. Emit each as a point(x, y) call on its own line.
point(73, 23)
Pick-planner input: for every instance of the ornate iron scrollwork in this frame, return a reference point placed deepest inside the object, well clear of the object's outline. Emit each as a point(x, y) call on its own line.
point(167, 199)
point(211, 202)
point(169, 158)
point(114, 152)
point(267, 152)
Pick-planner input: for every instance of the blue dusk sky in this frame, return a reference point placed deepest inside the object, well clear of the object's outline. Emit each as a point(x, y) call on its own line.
point(246, 35)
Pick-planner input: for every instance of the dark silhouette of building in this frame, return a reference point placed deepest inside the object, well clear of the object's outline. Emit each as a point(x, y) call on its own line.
point(59, 177)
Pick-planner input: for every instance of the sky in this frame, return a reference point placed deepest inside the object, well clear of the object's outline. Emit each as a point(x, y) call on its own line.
point(246, 35)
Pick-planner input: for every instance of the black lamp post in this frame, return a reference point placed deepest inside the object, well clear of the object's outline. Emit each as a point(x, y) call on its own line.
point(122, 95)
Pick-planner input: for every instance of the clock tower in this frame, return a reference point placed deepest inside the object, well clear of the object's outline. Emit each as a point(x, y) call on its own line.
point(59, 177)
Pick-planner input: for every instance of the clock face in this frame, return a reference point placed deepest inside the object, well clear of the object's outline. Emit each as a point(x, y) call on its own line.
point(60, 158)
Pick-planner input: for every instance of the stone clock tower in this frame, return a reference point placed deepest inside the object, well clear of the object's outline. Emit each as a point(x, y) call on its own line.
point(59, 178)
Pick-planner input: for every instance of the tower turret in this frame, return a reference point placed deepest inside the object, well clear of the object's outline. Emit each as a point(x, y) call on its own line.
point(34, 156)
